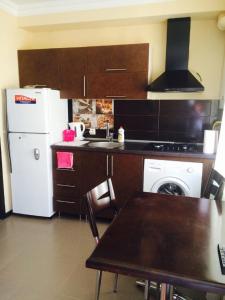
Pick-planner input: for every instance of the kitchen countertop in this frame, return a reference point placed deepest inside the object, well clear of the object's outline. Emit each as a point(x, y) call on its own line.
point(132, 147)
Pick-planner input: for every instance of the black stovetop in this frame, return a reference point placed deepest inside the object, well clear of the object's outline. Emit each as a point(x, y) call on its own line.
point(164, 147)
point(174, 147)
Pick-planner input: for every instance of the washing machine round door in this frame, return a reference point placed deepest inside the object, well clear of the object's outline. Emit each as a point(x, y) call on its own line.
point(171, 186)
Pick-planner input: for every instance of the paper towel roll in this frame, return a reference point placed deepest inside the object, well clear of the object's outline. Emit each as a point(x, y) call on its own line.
point(210, 141)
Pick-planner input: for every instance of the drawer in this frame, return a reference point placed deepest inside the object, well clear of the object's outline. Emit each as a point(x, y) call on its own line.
point(66, 177)
point(67, 206)
point(66, 190)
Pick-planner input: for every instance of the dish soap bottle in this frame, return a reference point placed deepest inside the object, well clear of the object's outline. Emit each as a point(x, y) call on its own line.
point(121, 135)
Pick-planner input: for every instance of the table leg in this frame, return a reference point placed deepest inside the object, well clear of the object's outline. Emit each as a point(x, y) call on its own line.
point(163, 291)
point(170, 292)
point(115, 283)
point(147, 292)
point(98, 284)
point(166, 292)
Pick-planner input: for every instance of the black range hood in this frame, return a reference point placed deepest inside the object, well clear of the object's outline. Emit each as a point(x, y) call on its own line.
point(177, 78)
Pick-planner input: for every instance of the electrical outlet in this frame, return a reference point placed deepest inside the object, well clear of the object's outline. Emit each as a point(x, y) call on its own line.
point(92, 131)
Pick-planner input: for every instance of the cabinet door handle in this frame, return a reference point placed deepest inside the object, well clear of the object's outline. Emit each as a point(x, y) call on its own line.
point(63, 201)
point(107, 165)
point(66, 185)
point(84, 80)
point(61, 169)
point(122, 96)
point(115, 69)
point(112, 166)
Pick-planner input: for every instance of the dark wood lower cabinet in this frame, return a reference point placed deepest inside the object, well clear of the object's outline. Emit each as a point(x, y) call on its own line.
point(66, 184)
point(92, 167)
point(70, 185)
point(127, 175)
point(69, 206)
point(124, 169)
point(94, 171)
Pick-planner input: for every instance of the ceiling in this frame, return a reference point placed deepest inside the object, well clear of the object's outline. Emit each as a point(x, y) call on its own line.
point(35, 7)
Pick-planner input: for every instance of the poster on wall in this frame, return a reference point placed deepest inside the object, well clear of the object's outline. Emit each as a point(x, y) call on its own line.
point(104, 106)
point(103, 119)
point(93, 113)
point(84, 106)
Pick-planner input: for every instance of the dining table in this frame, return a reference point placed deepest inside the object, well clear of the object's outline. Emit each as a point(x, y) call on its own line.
point(171, 240)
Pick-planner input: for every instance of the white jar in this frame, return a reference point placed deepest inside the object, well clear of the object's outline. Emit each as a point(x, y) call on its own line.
point(121, 135)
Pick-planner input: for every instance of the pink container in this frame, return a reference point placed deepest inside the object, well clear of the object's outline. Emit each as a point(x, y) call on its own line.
point(68, 135)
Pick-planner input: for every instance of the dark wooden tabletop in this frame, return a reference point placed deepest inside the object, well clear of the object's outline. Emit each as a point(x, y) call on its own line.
point(168, 239)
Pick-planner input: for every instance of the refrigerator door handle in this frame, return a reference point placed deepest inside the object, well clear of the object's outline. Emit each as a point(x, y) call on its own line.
point(36, 153)
point(8, 140)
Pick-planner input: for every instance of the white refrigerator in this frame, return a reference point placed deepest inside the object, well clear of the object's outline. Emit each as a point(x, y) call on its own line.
point(36, 119)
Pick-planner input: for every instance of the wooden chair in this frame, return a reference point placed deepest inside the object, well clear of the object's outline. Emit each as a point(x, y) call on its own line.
point(215, 186)
point(100, 198)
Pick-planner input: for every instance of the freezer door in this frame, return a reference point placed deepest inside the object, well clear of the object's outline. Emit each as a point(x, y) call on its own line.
point(31, 177)
point(27, 110)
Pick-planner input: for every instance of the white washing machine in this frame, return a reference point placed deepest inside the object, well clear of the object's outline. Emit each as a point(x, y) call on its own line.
point(172, 177)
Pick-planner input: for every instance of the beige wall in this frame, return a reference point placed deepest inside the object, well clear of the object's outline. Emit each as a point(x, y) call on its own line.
point(10, 39)
point(207, 44)
point(150, 11)
point(133, 25)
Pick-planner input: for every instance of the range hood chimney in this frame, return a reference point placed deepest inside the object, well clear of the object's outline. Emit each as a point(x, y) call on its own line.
point(177, 78)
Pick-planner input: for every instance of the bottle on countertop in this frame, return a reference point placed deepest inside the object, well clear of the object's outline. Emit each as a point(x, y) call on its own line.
point(121, 135)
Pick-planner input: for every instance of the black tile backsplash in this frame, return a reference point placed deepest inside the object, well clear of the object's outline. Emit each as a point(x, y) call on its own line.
point(185, 127)
point(166, 120)
point(136, 122)
point(138, 107)
point(195, 108)
point(140, 135)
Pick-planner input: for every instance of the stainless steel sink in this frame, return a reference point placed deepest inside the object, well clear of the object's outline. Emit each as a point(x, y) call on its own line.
point(108, 145)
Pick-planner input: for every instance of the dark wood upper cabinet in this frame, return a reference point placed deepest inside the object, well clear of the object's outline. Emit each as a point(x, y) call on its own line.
point(117, 85)
point(119, 58)
point(119, 72)
point(39, 67)
point(72, 65)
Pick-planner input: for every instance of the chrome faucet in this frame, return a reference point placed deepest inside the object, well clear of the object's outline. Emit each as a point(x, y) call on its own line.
point(109, 136)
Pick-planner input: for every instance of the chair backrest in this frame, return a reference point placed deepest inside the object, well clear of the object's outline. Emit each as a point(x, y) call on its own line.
point(99, 198)
point(215, 186)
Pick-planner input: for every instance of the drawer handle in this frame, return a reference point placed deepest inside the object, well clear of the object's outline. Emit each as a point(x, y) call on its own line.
point(60, 169)
point(115, 69)
point(66, 185)
point(84, 85)
point(107, 165)
point(112, 165)
point(116, 96)
point(63, 201)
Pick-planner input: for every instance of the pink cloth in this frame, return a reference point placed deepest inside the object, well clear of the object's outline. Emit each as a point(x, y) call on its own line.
point(64, 160)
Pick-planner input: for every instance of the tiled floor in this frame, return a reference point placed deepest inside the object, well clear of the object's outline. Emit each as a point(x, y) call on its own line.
point(42, 259)
point(45, 260)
